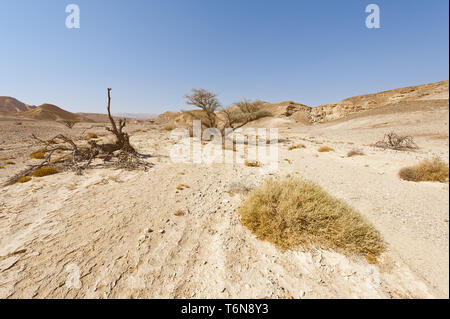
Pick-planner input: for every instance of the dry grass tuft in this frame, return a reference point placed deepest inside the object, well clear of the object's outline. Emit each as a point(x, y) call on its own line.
point(434, 170)
point(293, 147)
point(10, 163)
point(44, 171)
point(3, 158)
point(323, 149)
point(37, 155)
point(2, 166)
point(24, 179)
point(252, 163)
point(92, 135)
point(293, 212)
point(355, 152)
point(182, 186)
point(179, 212)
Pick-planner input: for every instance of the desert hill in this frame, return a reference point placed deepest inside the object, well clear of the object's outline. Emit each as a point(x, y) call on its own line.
point(10, 104)
point(288, 112)
point(361, 103)
point(49, 112)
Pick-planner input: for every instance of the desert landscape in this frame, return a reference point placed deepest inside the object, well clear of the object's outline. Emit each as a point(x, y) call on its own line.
point(184, 230)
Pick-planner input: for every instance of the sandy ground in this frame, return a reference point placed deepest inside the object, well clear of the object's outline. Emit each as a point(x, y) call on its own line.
point(119, 230)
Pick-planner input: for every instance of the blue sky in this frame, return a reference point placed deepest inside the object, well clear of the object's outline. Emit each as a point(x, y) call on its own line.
point(152, 52)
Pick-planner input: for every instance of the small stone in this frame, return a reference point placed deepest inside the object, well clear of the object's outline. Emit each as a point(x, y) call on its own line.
point(162, 231)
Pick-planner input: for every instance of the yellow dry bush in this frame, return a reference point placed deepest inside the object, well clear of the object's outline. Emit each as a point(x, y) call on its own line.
point(293, 212)
point(44, 171)
point(182, 186)
point(10, 163)
point(325, 149)
point(92, 135)
point(434, 170)
point(24, 179)
point(252, 163)
point(178, 212)
point(37, 155)
point(293, 147)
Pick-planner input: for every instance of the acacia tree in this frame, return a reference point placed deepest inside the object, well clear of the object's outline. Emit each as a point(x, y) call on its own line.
point(207, 102)
point(240, 114)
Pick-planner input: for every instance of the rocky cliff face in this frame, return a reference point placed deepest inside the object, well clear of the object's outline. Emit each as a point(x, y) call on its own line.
point(361, 103)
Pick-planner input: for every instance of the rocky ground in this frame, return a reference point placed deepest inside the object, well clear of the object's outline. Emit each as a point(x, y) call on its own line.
point(118, 229)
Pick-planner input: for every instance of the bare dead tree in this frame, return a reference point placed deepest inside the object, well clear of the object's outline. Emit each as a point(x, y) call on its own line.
point(397, 142)
point(69, 124)
point(80, 157)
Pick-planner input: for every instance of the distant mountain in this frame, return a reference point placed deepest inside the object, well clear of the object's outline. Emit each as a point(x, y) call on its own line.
point(49, 112)
point(10, 104)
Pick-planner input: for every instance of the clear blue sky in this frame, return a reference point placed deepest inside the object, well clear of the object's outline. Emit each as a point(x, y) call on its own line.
point(152, 52)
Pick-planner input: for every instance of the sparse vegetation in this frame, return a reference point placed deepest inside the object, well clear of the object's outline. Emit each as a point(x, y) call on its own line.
point(44, 171)
point(323, 149)
point(252, 163)
point(24, 179)
point(294, 212)
point(169, 128)
point(37, 155)
point(69, 124)
point(10, 163)
point(397, 142)
point(293, 147)
point(92, 135)
point(181, 187)
point(434, 170)
point(355, 152)
point(179, 212)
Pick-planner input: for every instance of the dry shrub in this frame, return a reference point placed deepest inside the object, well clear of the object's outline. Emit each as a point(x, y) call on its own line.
point(355, 152)
point(3, 158)
point(434, 170)
point(323, 149)
point(178, 212)
point(169, 128)
point(10, 163)
point(182, 186)
point(397, 142)
point(92, 135)
point(44, 171)
point(2, 166)
point(252, 163)
point(37, 155)
point(293, 147)
point(24, 179)
point(51, 142)
point(294, 212)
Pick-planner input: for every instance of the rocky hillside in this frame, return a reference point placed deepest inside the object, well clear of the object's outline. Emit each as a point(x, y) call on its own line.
point(306, 115)
point(9, 104)
point(361, 103)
